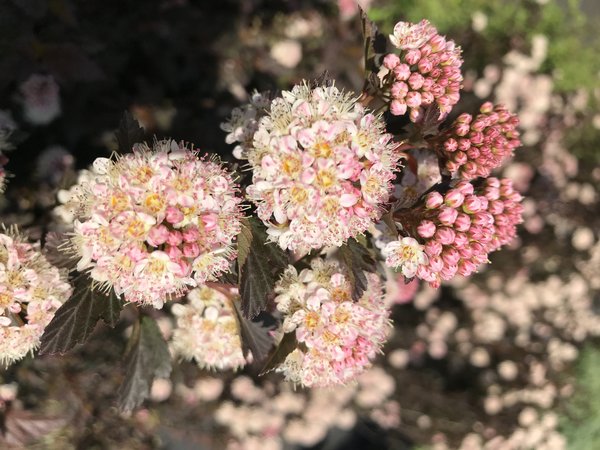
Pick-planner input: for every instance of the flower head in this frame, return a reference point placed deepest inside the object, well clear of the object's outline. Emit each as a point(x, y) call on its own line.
point(337, 337)
point(406, 255)
point(322, 168)
point(457, 230)
point(31, 290)
point(207, 330)
point(425, 71)
point(475, 147)
point(154, 222)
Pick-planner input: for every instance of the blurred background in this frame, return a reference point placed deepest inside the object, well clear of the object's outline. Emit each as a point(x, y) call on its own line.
point(507, 359)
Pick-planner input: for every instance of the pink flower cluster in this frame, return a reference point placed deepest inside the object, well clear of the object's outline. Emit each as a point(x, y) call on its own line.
point(207, 331)
point(322, 168)
point(475, 147)
point(337, 337)
point(155, 222)
point(426, 70)
point(31, 290)
point(459, 229)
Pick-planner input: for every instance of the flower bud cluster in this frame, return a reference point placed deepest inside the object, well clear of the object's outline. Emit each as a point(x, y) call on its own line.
point(458, 230)
point(337, 337)
point(476, 146)
point(155, 222)
point(208, 331)
point(322, 168)
point(31, 290)
point(424, 72)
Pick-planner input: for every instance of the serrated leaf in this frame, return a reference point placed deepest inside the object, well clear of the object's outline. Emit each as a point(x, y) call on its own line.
point(358, 260)
point(256, 336)
point(129, 132)
point(375, 43)
point(286, 346)
point(244, 241)
point(55, 253)
point(148, 358)
point(76, 319)
point(259, 267)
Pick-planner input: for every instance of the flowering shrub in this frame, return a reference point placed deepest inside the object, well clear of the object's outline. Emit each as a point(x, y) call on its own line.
point(289, 265)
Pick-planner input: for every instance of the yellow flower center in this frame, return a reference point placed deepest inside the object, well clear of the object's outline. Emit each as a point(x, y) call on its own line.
point(321, 149)
point(311, 320)
point(154, 203)
point(325, 178)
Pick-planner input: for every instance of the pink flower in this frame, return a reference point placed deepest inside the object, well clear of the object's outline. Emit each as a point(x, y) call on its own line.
point(338, 337)
point(429, 63)
point(322, 168)
point(156, 222)
point(31, 291)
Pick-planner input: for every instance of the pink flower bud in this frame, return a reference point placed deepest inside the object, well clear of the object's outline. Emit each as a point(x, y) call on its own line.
point(426, 229)
point(174, 238)
point(466, 268)
point(450, 145)
point(454, 198)
point(416, 80)
point(190, 234)
point(445, 235)
point(436, 264)
point(402, 72)
point(174, 253)
point(413, 99)
point(451, 256)
point(433, 248)
point(191, 250)
point(425, 65)
point(472, 204)
point(398, 108)
point(462, 222)
point(447, 215)
point(158, 235)
point(173, 215)
point(390, 61)
point(412, 56)
point(433, 200)
point(399, 90)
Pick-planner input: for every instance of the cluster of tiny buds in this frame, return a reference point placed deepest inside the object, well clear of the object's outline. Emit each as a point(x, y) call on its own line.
point(426, 70)
point(458, 230)
point(474, 147)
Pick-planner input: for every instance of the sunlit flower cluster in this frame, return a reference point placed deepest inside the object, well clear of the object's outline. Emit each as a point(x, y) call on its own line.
point(154, 222)
point(208, 331)
point(322, 168)
point(458, 229)
point(476, 146)
point(426, 70)
point(337, 337)
point(31, 290)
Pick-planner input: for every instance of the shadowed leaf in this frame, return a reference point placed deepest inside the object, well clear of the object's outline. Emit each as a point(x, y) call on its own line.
point(260, 265)
point(129, 132)
point(375, 43)
point(286, 346)
point(148, 357)
point(256, 335)
point(76, 319)
point(55, 254)
point(357, 259)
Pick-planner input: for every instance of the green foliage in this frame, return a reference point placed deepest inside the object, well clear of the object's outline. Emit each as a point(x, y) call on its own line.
point(581, 421)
